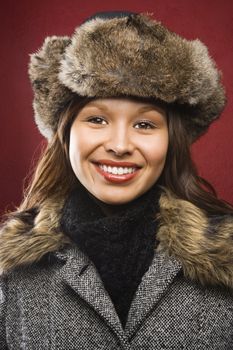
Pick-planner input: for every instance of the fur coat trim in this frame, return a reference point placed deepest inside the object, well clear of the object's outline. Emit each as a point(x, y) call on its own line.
point(204, 246)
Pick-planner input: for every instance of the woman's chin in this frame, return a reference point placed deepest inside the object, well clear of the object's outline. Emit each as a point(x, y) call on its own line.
point(117, 197)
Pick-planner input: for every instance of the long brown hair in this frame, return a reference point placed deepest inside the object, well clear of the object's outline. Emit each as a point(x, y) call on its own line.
point(54, 177)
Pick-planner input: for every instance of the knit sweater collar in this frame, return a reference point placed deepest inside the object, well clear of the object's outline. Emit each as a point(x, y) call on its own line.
point(82, 212)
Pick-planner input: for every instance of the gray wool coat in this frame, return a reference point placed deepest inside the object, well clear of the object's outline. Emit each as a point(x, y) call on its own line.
point(184, 301)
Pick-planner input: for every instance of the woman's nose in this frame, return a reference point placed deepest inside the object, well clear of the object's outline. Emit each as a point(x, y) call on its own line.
point(119, 142)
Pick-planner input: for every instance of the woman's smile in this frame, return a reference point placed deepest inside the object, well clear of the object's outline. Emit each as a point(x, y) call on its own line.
point(117, 172)
point(118, 148)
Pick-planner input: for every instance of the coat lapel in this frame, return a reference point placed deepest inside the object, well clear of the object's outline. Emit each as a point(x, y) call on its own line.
point(86, 282)
point(154, 284)
point(81, 275)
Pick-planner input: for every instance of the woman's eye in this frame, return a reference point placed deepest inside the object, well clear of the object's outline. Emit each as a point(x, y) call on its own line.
point(97, 120)
point(144, 125)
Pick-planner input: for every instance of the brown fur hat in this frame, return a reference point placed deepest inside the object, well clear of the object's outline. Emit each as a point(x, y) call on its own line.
point(128, 55)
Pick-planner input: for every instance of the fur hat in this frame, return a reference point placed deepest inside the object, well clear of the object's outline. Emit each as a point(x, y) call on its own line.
point(126, 54)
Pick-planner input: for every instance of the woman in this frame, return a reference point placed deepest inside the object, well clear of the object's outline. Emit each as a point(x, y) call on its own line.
point(119, 244)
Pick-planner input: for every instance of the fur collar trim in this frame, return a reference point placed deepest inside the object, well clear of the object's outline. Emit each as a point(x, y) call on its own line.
point(203, 246)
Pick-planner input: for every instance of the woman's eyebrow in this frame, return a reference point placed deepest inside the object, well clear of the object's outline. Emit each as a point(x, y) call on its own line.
point(98, 105)
point(151, 108)
point(142, 109)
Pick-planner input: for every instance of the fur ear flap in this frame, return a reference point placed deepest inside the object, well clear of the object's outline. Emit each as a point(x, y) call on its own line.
point(44, 68)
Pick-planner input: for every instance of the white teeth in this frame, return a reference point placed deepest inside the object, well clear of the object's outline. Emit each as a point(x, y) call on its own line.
point(117, 170)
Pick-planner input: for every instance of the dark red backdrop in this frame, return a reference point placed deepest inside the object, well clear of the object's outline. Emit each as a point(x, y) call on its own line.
point(25, 24)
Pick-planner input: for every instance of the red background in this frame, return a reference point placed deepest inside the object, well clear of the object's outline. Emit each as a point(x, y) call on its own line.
point(25, 24)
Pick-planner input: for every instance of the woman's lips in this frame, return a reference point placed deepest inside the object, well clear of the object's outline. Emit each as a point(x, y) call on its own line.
point(119, 167)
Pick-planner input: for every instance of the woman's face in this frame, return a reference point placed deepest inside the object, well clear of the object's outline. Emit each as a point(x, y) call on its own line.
point(118, 148)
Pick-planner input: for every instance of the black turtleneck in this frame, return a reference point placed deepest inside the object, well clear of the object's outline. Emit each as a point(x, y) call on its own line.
point(120, 245)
